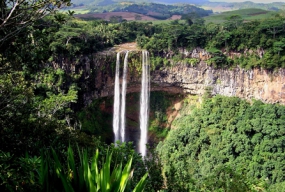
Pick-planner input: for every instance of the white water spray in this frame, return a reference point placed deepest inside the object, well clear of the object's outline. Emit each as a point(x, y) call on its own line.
point(123, 103)
point(117, 100)
point(144, 103)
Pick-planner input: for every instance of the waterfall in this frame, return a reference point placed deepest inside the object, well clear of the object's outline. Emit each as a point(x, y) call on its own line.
point(119, 112)
point(144, 103)
point(116, 100)
point(119, 115)
point(123, 103)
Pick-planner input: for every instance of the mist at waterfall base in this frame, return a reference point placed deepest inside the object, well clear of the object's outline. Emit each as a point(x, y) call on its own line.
point(119, 107)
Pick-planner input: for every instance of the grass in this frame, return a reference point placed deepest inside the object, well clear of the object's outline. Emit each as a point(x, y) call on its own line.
point(156, 22)
point(81, 11)
point(217, 9)
point(246, 14)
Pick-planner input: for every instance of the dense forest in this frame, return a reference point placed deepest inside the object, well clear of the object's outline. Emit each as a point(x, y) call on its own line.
point(224, 144)
point(221, 40)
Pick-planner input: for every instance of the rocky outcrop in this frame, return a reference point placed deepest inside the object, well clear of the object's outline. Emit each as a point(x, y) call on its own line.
point(197, 53)
point(257, 84)
point(98, 78)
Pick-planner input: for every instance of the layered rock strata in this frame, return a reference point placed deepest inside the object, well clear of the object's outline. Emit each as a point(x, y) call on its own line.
point(97, 79)
point(257, 84)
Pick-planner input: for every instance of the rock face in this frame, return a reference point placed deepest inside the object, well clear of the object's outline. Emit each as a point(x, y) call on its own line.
point(257, 84)
point(98, 79)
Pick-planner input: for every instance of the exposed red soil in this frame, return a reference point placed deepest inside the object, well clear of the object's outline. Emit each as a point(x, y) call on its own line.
point(125, 15)
point(127, 46)
point(175, 17)
point(153, 13)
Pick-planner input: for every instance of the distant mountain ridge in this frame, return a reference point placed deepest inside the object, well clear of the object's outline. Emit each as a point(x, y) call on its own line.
point(155, 10)
point(196, 2)
point(141, 6)
point(246, 5)
point(110, 2)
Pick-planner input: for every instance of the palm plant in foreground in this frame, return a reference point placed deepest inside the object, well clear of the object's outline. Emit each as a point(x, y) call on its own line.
point(86, 175)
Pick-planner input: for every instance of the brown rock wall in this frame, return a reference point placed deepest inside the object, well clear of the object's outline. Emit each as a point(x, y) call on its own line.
point(98, 79)
point(258, 84)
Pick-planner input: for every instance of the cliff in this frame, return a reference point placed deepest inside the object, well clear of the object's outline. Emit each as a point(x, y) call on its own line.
point(97, 78)
point(259, 84)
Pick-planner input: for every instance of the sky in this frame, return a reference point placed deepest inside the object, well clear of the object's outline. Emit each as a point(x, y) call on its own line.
point(255, 1)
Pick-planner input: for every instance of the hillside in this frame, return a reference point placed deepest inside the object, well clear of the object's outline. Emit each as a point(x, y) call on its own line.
point(159, 11)
point(215, 6)
point(103, 2)
point(144, 10)
point(165, 9)
point(246, 14)
point(224, 6)
point(129, 16)
point(109, 2)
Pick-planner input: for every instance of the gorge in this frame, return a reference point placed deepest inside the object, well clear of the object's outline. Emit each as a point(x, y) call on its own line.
point(180, 78)
point(267, 86)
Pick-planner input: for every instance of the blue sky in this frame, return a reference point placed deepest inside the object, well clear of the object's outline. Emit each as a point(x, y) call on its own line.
point(256, 1)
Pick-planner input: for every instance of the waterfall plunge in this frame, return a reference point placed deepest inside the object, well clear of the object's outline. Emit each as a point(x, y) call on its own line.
point(123, 103)
point(144, 103)
point(119, 115)
point(116, 111)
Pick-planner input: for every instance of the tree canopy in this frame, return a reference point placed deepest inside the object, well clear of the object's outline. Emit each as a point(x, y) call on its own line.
point(226, 135)
point(18, 14)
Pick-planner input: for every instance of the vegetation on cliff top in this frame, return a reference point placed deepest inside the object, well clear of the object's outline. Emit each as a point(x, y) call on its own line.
point(257, 43)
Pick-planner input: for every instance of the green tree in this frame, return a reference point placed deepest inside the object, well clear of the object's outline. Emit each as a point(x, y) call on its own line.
point(116, 19)
point(138, 17)
point(18, 14)
point(234, 21)
point(273, 26)
point(278, 46)
point(226, 144)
